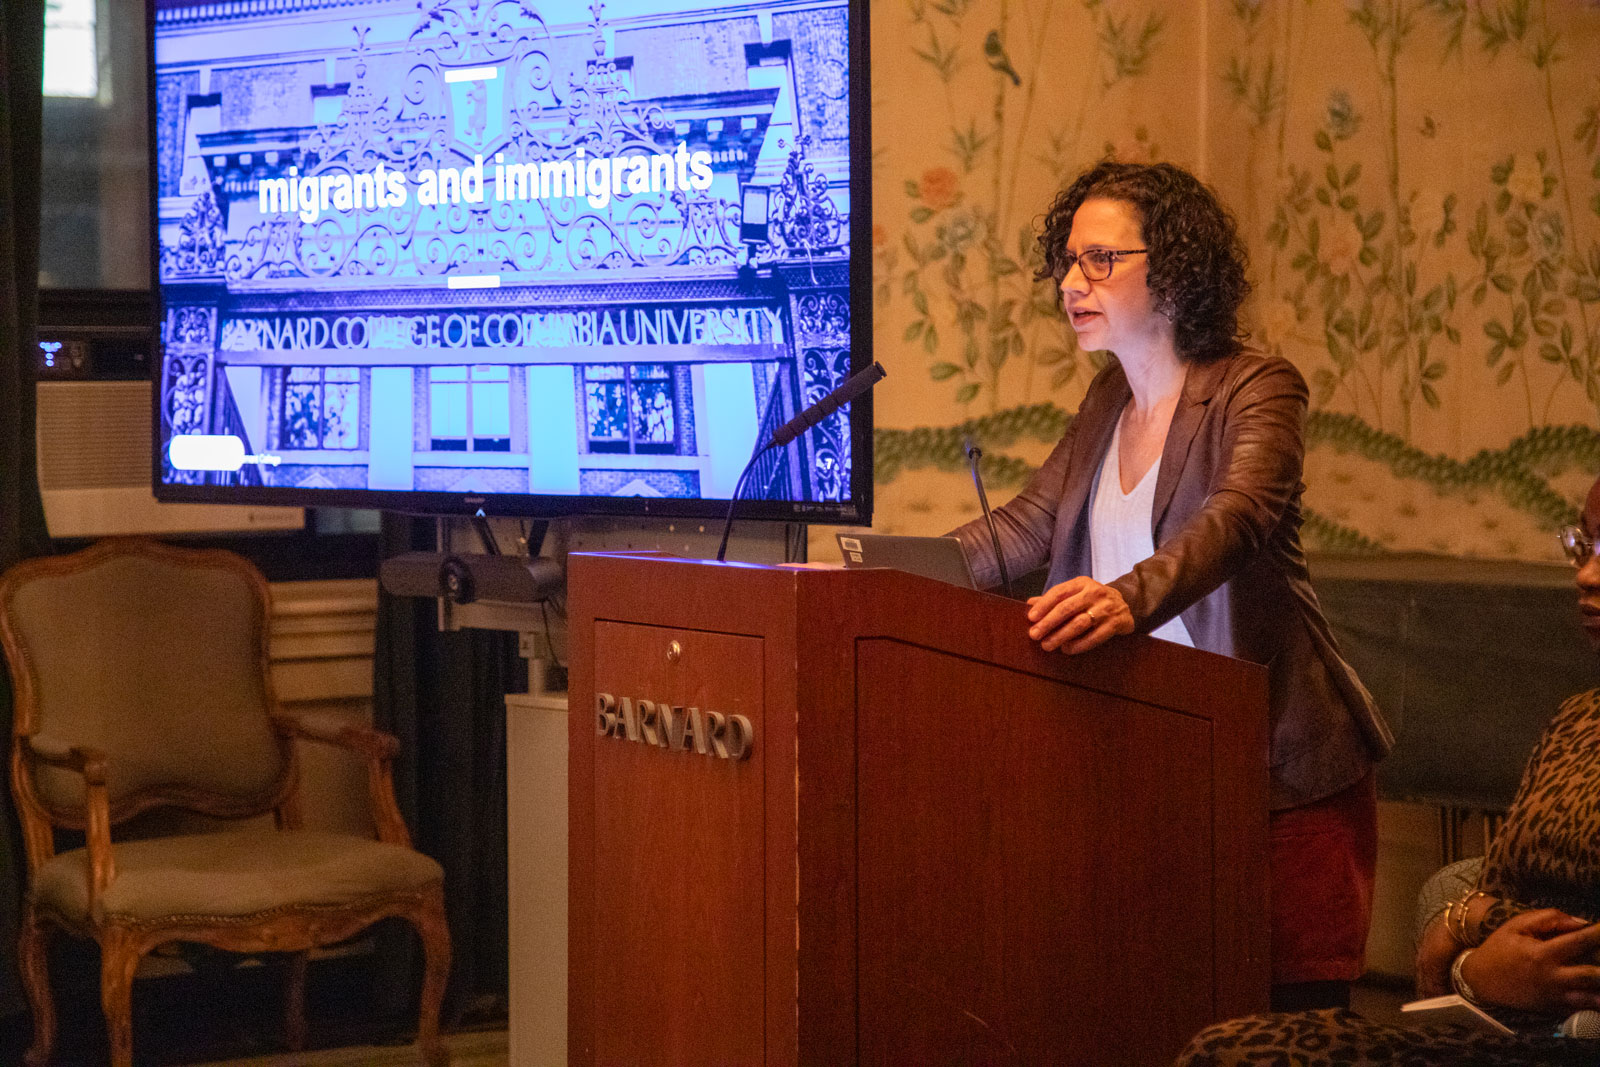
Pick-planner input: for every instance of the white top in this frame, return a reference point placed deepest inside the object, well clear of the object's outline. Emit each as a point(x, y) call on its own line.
point(1120, 529)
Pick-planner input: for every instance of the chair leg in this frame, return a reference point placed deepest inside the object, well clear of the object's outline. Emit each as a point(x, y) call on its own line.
point(434, 932)
point(33, 958)
point(119, 958)
point(294, 1004)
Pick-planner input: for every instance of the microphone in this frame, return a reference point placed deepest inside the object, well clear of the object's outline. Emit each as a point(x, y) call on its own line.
point(852, 387)
point(974, 454)
point(1581, 1024)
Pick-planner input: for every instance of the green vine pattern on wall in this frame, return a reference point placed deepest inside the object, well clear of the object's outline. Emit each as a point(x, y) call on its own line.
point(967, 259)
point(1375, 275)
point(1518, 473)
point(1437, 313)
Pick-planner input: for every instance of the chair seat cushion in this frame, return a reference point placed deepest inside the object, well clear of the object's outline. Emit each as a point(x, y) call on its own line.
point(234, 874)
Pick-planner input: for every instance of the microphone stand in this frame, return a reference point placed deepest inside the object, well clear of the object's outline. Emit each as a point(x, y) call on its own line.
point(974, 454)
point(738, 487)
point(853, 387)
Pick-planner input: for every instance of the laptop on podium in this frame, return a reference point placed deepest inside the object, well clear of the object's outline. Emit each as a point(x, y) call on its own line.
point(939, 558)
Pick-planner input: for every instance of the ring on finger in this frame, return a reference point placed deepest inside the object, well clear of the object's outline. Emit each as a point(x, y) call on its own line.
point(1092, 620)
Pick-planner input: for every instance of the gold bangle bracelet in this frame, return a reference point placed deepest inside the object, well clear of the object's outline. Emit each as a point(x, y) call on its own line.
point(1467, 936)
point(1442, 916)
point(1454, 923)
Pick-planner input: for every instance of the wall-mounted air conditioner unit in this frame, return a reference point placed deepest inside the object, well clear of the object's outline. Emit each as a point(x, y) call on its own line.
point(94, 444)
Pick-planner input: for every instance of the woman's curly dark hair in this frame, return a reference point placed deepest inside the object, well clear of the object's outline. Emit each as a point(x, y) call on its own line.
point(1196, 261)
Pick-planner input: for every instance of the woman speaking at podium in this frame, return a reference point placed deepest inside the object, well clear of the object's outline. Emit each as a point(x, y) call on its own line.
point(1171, 507)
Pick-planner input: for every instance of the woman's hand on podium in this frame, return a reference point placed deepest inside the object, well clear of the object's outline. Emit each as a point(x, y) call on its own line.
point(1077, 615)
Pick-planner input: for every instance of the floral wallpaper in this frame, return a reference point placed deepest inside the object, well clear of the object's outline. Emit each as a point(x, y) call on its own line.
point(1419, 184)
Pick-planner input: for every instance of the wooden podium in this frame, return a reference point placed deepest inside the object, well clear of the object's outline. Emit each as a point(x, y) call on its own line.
point(831, 817)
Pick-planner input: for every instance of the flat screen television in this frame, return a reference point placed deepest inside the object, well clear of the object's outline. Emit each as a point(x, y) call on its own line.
point(523, 257)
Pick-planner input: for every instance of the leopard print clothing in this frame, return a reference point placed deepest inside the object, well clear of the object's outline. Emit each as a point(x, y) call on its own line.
point(1547, 854)
point(1345, 1039)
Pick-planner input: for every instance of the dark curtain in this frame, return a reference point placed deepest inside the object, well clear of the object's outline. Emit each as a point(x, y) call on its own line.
point(442, 695)
point(22, 529)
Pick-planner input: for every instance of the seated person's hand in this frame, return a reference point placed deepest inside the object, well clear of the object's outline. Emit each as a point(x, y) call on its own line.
point(1077, 615)
point(1435, 952)
point(1538, 961)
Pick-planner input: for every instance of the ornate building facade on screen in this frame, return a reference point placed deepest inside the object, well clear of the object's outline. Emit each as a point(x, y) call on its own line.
point(528, 247)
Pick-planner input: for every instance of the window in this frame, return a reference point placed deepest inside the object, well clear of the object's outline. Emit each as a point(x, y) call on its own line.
point(630, 408)
point(469, 409)
point(94, 207)
point(71, 62)
point(322, 408)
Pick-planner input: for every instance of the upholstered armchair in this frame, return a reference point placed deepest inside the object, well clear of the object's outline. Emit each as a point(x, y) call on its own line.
point(141, 682)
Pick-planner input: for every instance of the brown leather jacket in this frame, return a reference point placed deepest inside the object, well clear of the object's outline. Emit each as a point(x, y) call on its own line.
point(1228, 559)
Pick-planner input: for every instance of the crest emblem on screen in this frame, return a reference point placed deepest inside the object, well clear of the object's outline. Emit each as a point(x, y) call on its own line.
point(477, 106)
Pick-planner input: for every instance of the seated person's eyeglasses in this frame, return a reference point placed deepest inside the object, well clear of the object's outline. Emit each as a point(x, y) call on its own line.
point(1095, 263)
point(1578, 546)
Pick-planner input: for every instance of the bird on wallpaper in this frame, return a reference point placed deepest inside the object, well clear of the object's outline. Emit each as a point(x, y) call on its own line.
point(995, 53)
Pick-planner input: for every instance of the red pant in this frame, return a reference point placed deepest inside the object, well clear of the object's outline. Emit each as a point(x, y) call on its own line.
point(1323, 856)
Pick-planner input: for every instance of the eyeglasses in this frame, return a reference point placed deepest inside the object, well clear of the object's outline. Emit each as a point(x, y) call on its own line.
point(1578, 546)
point(1096, 263)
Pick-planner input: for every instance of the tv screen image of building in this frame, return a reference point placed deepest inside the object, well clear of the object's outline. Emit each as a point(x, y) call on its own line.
point(526, 255)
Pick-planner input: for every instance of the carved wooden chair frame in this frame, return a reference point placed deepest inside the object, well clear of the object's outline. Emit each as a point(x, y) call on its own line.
point(123, 941)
